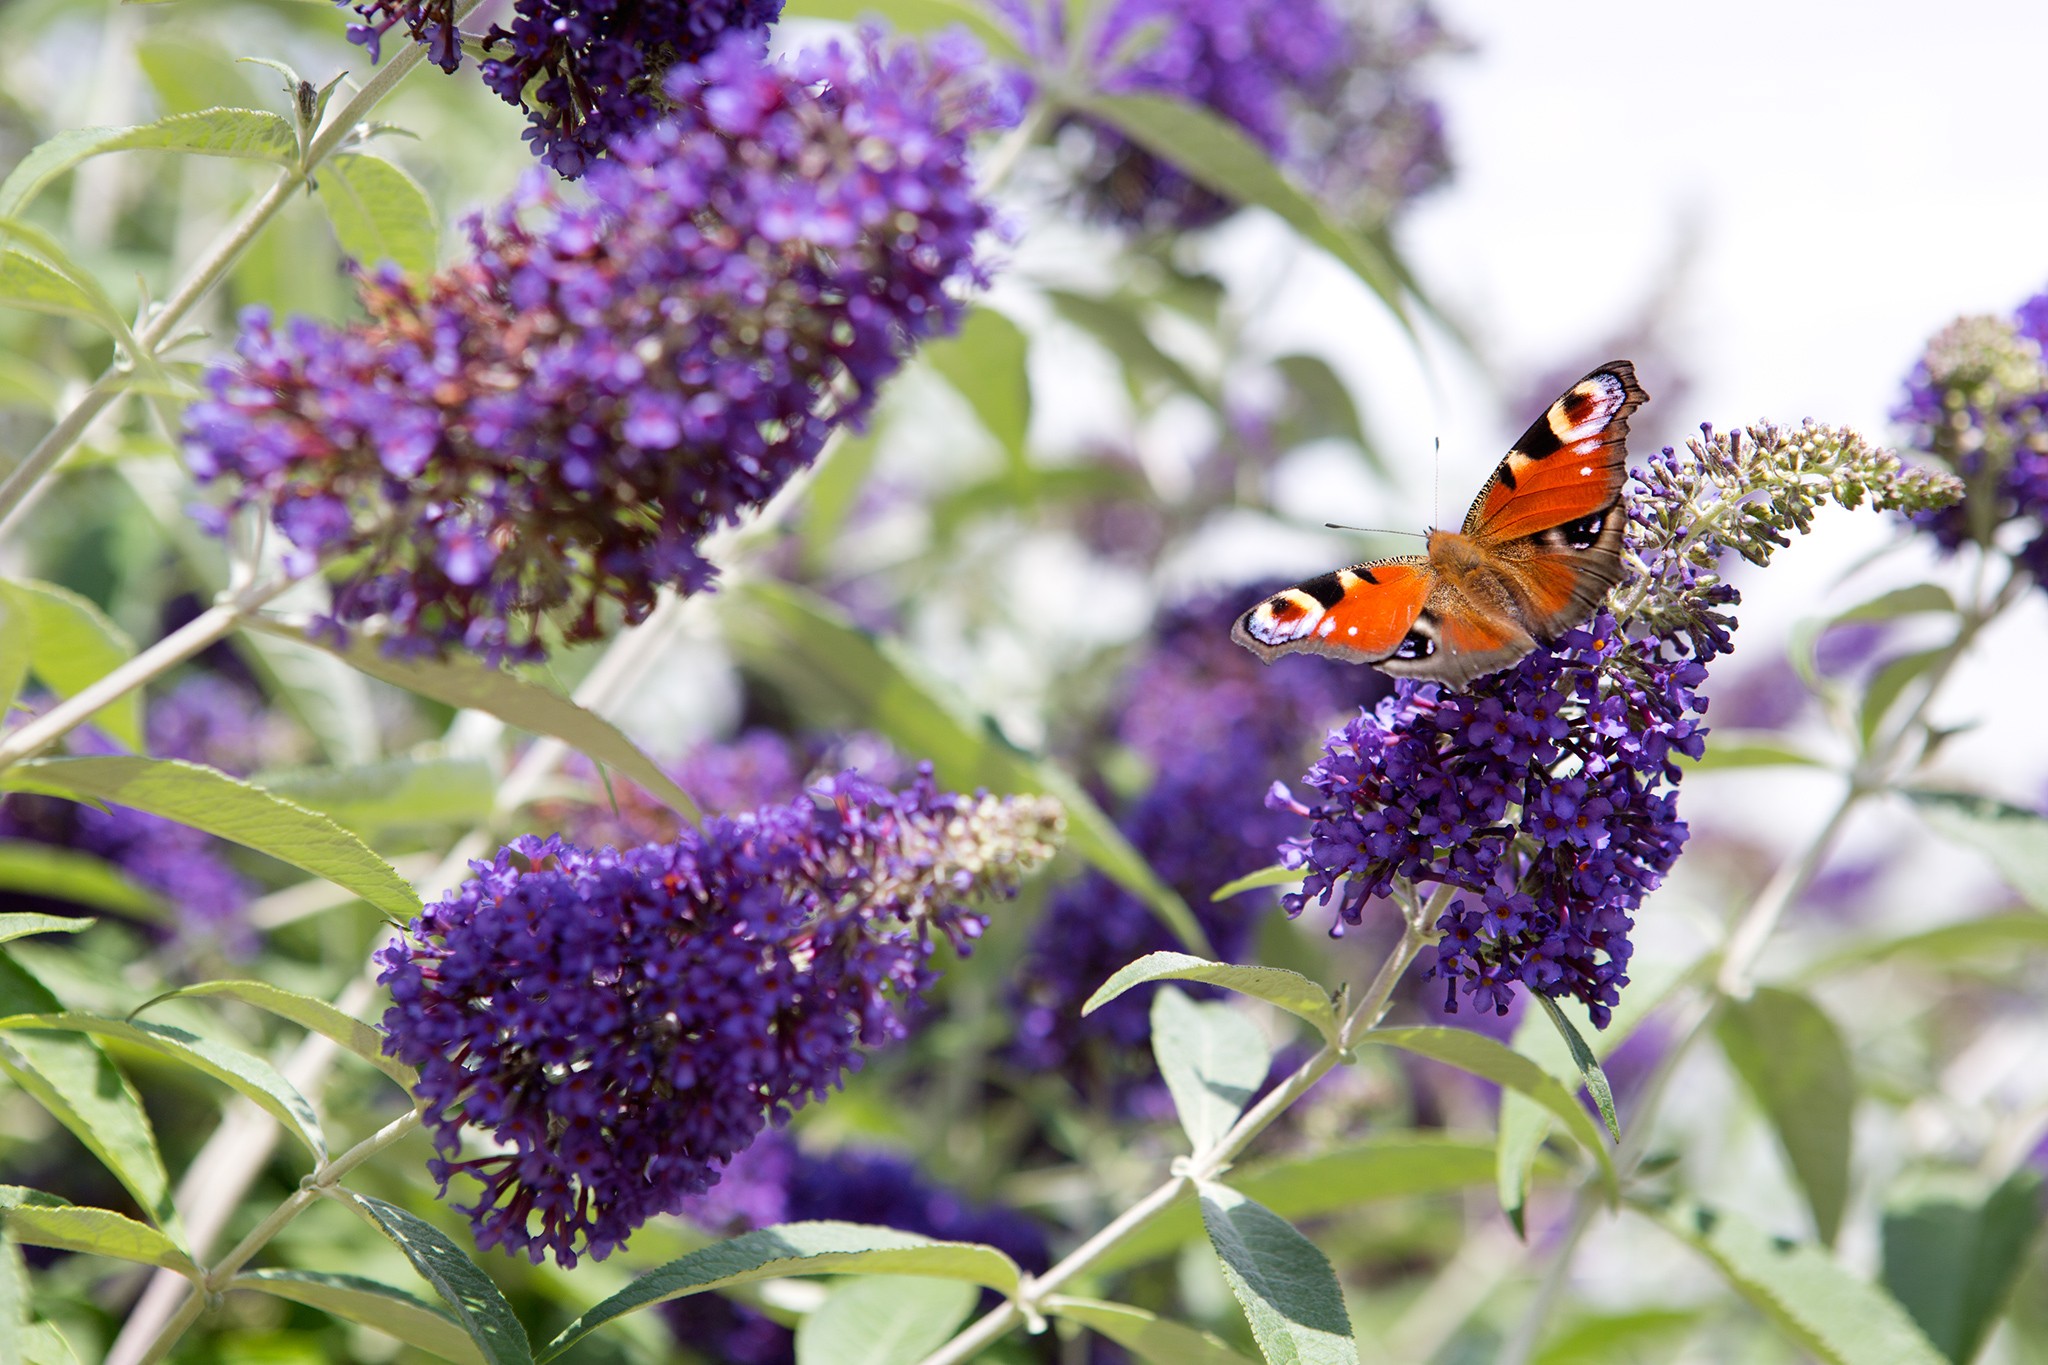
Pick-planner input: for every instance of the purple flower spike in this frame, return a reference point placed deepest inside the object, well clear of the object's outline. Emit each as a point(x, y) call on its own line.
point(1978, 402)
point(553, 427)
point(622, 1024)
point(1549, 867)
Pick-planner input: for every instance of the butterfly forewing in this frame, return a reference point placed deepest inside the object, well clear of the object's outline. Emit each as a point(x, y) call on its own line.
point(1569, 465)
point(1361, 614)
point(1539, 550)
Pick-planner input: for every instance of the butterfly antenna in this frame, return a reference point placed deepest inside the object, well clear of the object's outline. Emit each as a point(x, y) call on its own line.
point(1373, 530)
point(1436, 483)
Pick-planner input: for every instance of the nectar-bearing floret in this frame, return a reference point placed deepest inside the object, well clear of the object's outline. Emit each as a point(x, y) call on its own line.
point(552, 427)
point(618, 1025)
point(1543, 800)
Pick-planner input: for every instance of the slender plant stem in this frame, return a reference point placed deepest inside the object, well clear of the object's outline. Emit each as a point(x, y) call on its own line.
point(209, 627)
point(1188, 1172)
point(322, 1181)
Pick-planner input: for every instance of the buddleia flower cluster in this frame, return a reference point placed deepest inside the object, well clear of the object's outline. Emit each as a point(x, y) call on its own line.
point(620, 1024)
point(553, 426)
point(1978, 402)
point(1543, 800)
point(1214, 728)
point(1326, 88)
point(586, 72)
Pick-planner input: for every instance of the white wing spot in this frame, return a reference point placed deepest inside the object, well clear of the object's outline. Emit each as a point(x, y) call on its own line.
point(1585, 471)
point(1328, 626)
point(1351, 630)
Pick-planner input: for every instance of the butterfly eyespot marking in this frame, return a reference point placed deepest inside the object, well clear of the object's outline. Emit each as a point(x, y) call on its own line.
point(1584, 533)
point(1415, 645)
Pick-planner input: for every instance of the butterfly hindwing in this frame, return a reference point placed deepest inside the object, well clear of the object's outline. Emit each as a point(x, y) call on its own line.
point(1569, 465)
point(1362, 614)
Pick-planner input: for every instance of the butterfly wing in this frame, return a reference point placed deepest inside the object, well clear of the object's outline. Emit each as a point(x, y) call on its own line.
point(1364, 614)
point(1550, 518)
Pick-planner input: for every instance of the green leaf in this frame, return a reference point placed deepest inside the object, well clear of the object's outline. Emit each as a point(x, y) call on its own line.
point(1816, 1302)
point(808, 645)
point(1602, 1338)
point(17, 634)
point(249, 134)
point(237, 811)
point(1213, 1059)
point(836, 481)
point(29, 283)
point(1997, 936)
point(72, 1077)
point(67, 875)
point(72, 644)
point(1217, 153)
point(1253, 881)
point(16, 1309)
point(307, 1012)
point(1752, 749)
point(43, 1344)
point(922, 16)
point(1290, 991)
point(1889, 606)
point(1889, 682)
point(480, 1310)
point(1954, 1249)
point(1588, 1065)
point(2016, 839)
point(1146, 1335)
point(1480, 1055)
point(251, 1077)
point(883, 1320)
point(42, 1220)
point(1117, 325)
point(396, 793)
point(1319, 407)
point(1792, 1058)
point(379, 214)
point(798, 1249)
point(1524, 1124)
point(26, 924)
point(985, 361)
point(466, 683)
point(1285, 1286)
point(1395, 1166)
point(399, 1315)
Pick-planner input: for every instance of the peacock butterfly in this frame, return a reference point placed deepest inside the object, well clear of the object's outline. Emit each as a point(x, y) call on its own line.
point(1538, 551)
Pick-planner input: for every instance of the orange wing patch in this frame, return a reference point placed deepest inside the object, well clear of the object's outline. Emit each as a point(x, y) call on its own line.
point(1569, 464)
point(1360, 614)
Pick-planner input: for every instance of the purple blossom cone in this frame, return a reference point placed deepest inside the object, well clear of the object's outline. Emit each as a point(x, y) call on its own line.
point(553, 427)
point(1216, 727)
point(1978, 401)
point(1545, 797)
point(621, 1025)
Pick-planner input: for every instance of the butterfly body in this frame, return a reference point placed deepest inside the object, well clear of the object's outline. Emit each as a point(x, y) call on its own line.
point(1535, 556)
